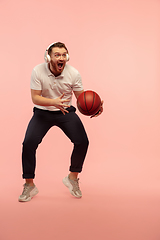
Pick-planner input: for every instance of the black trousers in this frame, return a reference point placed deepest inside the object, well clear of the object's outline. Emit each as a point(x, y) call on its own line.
point(39, 125)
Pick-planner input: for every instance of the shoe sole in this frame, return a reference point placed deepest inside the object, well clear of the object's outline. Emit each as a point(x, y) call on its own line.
point(32, 194)
point(69, 186)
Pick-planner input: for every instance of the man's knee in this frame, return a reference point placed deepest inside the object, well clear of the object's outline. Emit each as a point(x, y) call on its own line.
point(84, 142)
point(30, 143)
point(87, 142)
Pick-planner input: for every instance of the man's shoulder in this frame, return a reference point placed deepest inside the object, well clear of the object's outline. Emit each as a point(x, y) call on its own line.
point(40, 67)
point(71, 69)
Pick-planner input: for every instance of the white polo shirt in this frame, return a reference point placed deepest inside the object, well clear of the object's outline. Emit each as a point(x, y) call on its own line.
point(53, 87)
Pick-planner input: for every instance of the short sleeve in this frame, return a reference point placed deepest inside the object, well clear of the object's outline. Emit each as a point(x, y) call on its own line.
point(78, 86)
point(35, 83)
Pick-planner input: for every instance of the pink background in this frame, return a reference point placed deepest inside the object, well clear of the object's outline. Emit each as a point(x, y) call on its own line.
point(115, 46)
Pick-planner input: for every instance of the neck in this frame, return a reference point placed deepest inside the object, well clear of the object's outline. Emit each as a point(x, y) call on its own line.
point(51, 69)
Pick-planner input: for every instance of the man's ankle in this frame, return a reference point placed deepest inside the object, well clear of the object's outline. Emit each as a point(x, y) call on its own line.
point(30, 182)
point(73, 175)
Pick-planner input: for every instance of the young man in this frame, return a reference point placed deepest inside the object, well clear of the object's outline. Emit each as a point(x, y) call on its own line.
point(52, 84)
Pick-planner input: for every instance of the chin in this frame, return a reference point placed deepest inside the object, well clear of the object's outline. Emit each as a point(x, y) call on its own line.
point(60, 71)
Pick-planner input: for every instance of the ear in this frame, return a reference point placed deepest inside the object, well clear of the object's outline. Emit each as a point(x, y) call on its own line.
point(67, 56)
point(47, 58)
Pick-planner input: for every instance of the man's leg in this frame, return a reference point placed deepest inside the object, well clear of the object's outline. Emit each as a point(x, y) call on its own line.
point(74, 129)
point(73, 175)
point(30, 182)
point(36, 130)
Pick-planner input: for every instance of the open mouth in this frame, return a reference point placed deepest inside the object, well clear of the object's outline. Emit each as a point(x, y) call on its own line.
point(60, 66)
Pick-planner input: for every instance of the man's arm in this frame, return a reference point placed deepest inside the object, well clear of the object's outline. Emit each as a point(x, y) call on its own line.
point(77, 93)
point(42, 101)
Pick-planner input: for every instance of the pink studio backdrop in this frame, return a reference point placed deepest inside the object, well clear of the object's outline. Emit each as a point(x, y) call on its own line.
point(115, 47)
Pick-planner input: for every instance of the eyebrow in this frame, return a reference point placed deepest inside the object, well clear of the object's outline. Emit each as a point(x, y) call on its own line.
point(59, 52)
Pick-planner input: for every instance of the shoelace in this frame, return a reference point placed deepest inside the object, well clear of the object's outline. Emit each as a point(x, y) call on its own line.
point(75, 184)
point(26, 187)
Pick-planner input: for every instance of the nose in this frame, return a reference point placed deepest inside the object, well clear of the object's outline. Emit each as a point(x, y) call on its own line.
point(61, 57)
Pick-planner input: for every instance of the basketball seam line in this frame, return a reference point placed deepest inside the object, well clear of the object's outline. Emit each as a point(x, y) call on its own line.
point(85, 102)
point(92, 101)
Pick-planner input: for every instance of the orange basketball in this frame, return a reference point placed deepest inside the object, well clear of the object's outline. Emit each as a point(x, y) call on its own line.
point(88, 103)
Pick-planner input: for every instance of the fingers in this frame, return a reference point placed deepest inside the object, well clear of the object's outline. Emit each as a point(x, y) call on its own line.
point(99, 112)
point(65, 100)
point(63, 110)
point(96, 114)
point(64, 105)
point(61, 96)
point(61, 104)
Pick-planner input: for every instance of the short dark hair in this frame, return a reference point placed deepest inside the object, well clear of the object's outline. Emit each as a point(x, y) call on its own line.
point(57, 44)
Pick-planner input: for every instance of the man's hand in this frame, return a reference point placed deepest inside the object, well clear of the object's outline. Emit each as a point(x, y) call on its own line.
point(43, 101)
point(59, 103)
point(99, 112)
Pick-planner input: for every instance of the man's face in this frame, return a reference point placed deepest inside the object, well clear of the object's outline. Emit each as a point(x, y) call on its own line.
point(58, 60)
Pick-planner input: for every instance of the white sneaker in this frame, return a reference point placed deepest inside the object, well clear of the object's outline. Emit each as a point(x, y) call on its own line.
point(28, 193)
point(73, 186)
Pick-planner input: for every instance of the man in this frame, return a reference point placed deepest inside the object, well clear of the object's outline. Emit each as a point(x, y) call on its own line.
point(52, 84)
